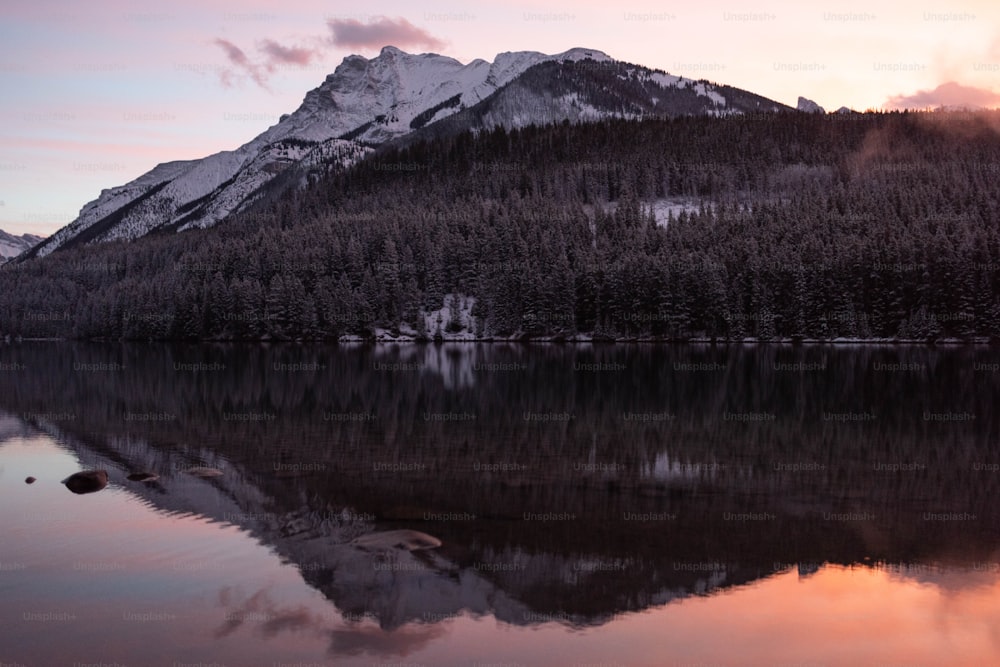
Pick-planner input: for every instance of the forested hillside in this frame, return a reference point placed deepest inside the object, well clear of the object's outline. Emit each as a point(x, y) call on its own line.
point(763, 225)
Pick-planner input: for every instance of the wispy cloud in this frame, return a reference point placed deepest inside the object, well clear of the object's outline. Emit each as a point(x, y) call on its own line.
point(277, 54)
point(379, 32)
point(272, 56)
point(269, 55)
point(949, 94)
point(238, 58)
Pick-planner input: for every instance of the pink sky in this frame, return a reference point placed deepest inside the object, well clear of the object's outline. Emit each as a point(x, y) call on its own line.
point(97, 94)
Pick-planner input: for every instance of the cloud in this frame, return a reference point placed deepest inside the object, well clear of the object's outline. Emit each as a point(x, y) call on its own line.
point(266, 617)
point(379, 32)
point(271, 55)
point(240, 60)
point(274, 56)
point(286, 55)
point(947, 94)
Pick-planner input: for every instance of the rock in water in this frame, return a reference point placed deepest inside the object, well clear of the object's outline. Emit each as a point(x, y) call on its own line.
point(143, 477)
point(411, 540)
point(87, 481)
point(29, 480)
point(204, 472)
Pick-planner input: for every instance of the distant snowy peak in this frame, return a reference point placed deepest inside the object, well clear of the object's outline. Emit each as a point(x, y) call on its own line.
point(11, 246)
point(809, 106)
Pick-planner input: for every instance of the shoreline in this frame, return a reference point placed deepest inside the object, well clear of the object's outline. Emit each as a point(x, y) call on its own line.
point(357, 341)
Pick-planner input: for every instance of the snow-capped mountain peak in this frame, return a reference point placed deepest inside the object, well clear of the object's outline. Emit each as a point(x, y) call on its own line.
point(367, 102)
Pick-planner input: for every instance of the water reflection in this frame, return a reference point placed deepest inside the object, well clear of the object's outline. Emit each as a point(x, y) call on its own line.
point(572, 488)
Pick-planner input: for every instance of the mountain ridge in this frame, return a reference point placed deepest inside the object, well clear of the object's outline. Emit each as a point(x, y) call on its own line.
point(12, 245)
point(367, 103)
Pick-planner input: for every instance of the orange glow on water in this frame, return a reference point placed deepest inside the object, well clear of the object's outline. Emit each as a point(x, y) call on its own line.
point(837, 616)
point(192, 588)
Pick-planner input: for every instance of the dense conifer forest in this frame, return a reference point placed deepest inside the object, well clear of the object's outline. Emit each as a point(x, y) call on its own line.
point(773, 226)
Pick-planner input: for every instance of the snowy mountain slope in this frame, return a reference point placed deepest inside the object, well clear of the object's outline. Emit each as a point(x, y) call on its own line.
point(365, 103)
point(584, 91)
point(11, 246)
point(380, 99)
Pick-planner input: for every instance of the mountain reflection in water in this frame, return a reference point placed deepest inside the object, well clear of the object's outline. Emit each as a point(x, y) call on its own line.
point(590, 489)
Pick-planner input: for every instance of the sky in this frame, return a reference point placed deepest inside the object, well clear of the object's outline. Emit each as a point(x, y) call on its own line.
point(92, 95)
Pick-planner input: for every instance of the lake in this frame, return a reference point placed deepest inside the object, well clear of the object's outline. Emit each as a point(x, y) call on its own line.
point(606, 505)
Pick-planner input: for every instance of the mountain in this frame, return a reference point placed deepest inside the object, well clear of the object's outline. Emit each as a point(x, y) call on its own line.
point(588, 91)
point(11, 246)
point(808, 106)
point(366, 103)
point(789, 226)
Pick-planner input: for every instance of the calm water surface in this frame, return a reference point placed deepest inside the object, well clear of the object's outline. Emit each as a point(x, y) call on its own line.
point(610, 505)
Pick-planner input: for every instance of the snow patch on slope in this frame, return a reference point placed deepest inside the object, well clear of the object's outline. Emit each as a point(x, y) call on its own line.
point(665, 80)
point(581, 111)
point(453, 320)
point(702, 90)
point(665, 209)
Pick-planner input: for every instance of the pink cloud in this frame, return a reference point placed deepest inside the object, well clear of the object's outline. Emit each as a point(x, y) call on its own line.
point(238, 58)
point(947, 94)
point(379, 32)
point(286, 55)
point(274, 56)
